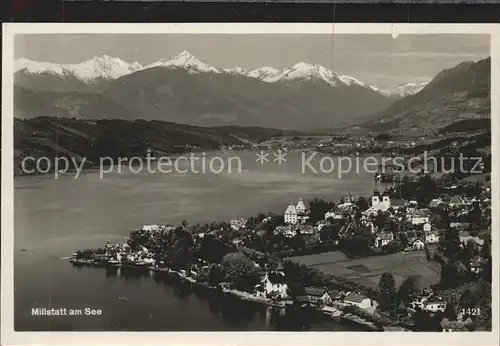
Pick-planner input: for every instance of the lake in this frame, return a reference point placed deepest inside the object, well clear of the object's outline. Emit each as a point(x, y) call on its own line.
point(54, 218)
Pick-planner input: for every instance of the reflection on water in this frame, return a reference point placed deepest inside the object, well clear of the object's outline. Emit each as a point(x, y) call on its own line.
point(53, 218)
point(235, 313)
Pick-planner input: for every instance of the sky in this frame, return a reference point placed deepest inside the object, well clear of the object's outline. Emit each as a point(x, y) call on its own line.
point(375, 59)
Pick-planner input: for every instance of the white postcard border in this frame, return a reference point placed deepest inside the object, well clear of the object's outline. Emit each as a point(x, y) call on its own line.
point(10, 337)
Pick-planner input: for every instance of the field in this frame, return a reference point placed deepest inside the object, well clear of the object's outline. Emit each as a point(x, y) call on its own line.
point(368, 270)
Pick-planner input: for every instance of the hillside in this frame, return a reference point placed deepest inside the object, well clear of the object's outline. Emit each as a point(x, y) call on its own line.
point(456, 94)
point(84, 105)
point(212, 99)
point(50, 137)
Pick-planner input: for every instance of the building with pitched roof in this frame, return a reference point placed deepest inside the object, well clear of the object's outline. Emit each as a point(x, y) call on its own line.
point(432, 237)
point(381, 202)
point(434, 304)
point(419, 216)
point(291, 214)
point(383, 238)
point(300, 207)
point(358, 300)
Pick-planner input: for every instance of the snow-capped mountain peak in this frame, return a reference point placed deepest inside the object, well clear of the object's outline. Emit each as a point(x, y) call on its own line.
point(104, 67)
point(402, 90)
point(349, 80)
point(185, 60)
point(305, 71)
point(35, 67)
point(236, 71)
point(89, 71)
point(264, 72)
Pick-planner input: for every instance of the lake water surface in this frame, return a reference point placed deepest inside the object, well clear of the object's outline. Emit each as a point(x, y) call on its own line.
point(53, 218)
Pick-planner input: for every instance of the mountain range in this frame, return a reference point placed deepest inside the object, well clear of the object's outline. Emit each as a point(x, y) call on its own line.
point(186, 90)
point(88, 75)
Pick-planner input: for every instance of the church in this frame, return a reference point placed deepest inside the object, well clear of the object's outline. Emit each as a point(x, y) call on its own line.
point(379, 203)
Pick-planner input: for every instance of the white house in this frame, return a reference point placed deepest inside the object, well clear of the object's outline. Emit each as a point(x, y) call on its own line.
point(330, 296)
point(465, 237)
point(418, 302)
point(357, 300)
point(334, 214)
point(277, 289)
point(476, 265)
point(383, 238)
point(291, 214)
point(432, 237)
point(288, 231)
point(381, 202)
point(457, 201)
point(434, 304)
point(151, 228)
point(238, 224)
point(427, 227)
point(419, 216)
point(418, 244)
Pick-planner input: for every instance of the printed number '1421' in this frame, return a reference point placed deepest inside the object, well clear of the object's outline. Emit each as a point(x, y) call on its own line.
point(471, 311)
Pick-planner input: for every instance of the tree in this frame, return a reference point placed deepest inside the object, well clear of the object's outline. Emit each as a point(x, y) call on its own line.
point(298, 241)
point(450, 312)
point(451, 243)
point(486, 251)
point(452, 274)
point(318, 208)
point(212, 249)
point(439, 259)
point(408, 289)
point(380, 219)
point(215, 274)
point(383, 137)
point(468, 300)
point(428, 253)
point(387, 292)
point(470, 249)
point(362, 203)
point(330, 232)
point(486, 273)
point(461, 271)
point(240, 271)
point(393, 246)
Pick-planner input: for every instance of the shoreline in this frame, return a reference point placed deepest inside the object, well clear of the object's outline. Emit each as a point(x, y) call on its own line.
point(339, 316)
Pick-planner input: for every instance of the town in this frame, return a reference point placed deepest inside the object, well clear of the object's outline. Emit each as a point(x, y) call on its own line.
point(414, 256)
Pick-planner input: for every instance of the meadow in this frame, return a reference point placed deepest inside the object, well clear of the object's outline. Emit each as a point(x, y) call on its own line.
point(367, 270)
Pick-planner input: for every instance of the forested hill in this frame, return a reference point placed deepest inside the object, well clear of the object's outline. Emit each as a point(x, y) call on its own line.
point(92, 139)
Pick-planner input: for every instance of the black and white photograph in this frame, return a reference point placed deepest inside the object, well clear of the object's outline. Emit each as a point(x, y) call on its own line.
point(216, 182)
